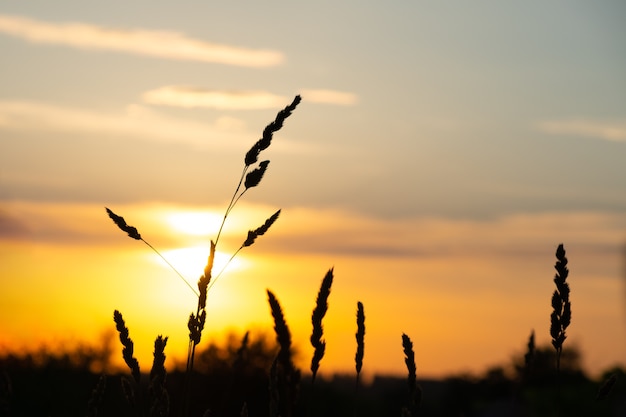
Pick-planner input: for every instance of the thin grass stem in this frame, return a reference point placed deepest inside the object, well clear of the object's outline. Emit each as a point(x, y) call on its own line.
point(172, 266)
point(223, 269)
point(233, 201)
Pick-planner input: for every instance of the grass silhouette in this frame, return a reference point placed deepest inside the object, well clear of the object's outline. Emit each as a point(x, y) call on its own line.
point(283, 390)
point(284, 378)
point(251, 176)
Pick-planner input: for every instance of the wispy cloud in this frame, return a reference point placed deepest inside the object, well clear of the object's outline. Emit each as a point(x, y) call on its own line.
point(135, 122)
point(190, 96)
point(615, 132)
point(161, 44)
point(353, 234)
point(341, 98)
point(518, 235)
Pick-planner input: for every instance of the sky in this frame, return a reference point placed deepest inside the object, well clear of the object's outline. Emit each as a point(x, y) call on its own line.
point(440, 154)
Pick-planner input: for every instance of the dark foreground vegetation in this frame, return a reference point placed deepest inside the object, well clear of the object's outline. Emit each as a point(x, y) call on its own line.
point(227, 377)
point(256, 378)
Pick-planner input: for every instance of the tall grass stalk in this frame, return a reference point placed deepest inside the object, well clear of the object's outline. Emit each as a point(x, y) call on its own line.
point(159, 405)
point(415, 392)
point(562, 314)
point(250, 177)
point(284, 377)
point(321, 306)
point(132, 392)
point(159, 397)
point(529, 356)
point(128, 349)
point(360, 349)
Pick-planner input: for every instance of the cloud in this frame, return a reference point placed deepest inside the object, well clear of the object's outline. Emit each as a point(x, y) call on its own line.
point(337, 233)
point(136, 122)
point(190, 97)
point(160, 44)
point(341, 98)
point(12, 227)
point(615, 132)
point(516, 235)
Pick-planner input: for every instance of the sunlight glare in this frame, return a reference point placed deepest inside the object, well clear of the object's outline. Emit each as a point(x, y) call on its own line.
point(190, 262)
point(194, 222)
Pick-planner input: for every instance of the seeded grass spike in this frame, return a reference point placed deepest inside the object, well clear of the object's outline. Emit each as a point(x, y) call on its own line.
point(321, 306)
point(252, 235)
point(205, 280)
point(128, 350)
point(121, 223)
point(261, 230)
point(253, 178)
point(263, 143)
point(562, 314)
point(283, 335)
point(415, 392)
point(248, 180)
point(286, 374)
point(132, 232)
point(159, 398)
point(530, 354)
point(360, 339)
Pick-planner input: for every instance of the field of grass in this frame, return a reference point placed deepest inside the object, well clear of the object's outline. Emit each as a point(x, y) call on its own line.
point(256, 377)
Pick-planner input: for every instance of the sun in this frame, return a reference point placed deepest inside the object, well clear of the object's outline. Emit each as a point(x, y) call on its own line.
point(194, 223)
point(190, 261)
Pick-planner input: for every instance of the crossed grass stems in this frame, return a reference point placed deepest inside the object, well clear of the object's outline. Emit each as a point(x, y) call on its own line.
point(284, 377)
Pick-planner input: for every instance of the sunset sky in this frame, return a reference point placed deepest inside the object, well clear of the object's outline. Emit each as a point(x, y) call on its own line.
point(441, 152)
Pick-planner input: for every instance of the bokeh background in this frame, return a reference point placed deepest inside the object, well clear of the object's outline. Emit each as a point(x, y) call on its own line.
point(440, 154)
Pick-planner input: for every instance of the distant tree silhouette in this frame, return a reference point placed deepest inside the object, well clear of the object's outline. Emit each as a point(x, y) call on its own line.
point(543, 370)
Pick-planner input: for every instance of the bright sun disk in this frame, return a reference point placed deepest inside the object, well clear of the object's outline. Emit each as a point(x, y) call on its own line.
point(194, 223)
point(190, 262)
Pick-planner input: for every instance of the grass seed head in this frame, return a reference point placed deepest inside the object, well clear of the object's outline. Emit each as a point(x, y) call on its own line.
point(360, 337)
point(253, 154)
point(530, 352)
point(160, 402)
point(128, 345)
point(261, 230)
point(561, 316)
point(121, 223)
point(415, 392)
point(283, 335)
point(321, 306)
point(254, 177)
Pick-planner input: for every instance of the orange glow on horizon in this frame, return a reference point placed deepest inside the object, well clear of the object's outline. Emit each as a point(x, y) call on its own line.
point(463, 307)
